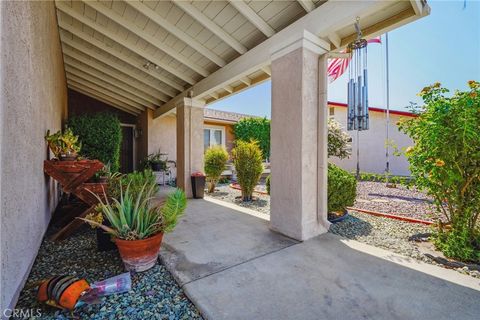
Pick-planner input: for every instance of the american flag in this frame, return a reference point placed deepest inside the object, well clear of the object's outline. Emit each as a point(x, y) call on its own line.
point(337, 66)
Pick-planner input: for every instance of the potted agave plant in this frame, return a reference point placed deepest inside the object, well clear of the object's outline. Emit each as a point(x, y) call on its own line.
point(138, 222)
point(64, 145)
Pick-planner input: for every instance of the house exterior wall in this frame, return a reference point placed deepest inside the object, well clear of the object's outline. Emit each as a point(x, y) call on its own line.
point(33, 99)
point(162, 135)
point(229, 133)
point(372, 148)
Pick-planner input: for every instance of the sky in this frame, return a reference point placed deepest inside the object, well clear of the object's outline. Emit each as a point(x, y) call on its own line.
point(443, 47)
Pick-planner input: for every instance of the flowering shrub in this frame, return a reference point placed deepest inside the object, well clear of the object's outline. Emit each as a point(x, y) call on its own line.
point(338, 140)
point(215, 160)
point(445, 161)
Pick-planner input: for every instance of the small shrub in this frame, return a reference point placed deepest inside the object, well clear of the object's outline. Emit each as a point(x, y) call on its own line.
point(338, 140)
point(215, 161)
point(101, 137)
point(445, 162)
point(247, 158)
point(257, 129)
point(267, 183)
point(342, 189)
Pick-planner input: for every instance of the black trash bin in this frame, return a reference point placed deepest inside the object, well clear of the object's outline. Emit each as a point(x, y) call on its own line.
point(198, 185)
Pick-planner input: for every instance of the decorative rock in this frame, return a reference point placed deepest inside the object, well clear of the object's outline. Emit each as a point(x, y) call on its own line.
point(78, 256)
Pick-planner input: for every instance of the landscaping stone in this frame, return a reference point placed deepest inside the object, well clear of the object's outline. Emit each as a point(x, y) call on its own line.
point(154, 294)
point(376, 196)
point(393, 235)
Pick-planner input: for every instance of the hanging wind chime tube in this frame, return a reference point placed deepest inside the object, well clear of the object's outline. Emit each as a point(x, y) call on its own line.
point(357, 96)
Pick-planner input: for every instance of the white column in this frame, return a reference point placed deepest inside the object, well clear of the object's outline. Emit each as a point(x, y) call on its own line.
point(298, 140)
point(189, 142)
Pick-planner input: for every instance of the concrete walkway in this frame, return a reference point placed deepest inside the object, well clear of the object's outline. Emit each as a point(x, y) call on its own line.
point(232, 267)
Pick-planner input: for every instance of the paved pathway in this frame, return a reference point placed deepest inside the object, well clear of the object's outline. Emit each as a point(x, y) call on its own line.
point(232, 267)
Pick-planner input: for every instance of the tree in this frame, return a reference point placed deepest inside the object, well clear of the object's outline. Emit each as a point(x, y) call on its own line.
point(257, 129)
point(247, 158)
point(215, 159)
point(445, 161)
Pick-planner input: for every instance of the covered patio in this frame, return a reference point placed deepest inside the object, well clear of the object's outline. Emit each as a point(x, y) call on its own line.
point(164, 60)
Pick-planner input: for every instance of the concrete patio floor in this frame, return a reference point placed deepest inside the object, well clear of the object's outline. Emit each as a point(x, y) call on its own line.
point(233, 267)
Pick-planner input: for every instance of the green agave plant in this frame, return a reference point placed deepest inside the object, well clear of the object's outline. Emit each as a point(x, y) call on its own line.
point(136, 216)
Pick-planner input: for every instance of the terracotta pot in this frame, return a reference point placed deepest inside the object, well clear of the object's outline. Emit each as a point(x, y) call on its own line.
point(139, 255)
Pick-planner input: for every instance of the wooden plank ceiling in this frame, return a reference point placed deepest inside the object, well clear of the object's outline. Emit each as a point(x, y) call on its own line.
point(136, 55)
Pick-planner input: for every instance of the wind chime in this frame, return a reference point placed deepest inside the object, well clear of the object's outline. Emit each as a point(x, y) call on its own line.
point(357, 115)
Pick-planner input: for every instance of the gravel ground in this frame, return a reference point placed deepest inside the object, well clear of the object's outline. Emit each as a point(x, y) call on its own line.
point(388, 234)
point(376, 196)
point(154, 294)
point(225, 193)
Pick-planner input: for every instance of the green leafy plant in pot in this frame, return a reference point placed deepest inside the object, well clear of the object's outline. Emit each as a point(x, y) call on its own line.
point(64, 145)
point(138, 223)
point(156, 161)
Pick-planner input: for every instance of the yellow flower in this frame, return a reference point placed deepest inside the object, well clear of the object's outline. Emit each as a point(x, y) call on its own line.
point(439, 163)
point(473, 84)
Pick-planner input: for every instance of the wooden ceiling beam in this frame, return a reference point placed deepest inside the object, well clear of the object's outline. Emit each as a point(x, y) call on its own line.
point(177, 32)
point(154, 41)
point(253, 17)
point(124, 57)
point(108, 33)
point(205, 21)
point(102, 98)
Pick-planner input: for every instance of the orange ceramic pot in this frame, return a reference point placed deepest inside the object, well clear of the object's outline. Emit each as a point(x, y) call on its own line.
point(139, 255)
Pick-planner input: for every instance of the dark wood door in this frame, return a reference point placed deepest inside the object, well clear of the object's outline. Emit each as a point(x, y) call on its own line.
point(126, 151)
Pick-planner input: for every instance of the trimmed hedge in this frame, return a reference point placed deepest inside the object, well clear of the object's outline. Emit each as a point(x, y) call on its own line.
point(101, 137)
point(342, 188)
point(257, 129)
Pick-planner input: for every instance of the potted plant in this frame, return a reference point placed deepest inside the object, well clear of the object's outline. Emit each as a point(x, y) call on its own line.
point(198, 184)
point(138, 223)
point(64, 146)
point(103, 174)
point(156, 161)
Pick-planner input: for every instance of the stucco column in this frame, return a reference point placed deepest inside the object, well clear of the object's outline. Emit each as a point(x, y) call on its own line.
point(189, 142)
point(298, 142)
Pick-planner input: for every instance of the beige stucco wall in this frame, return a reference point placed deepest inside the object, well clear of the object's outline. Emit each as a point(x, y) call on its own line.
point(33, 99)
point(162, 135)
point(372, 147)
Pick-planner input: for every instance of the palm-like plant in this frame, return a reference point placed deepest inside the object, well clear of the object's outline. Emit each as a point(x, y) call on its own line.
point(135, 216)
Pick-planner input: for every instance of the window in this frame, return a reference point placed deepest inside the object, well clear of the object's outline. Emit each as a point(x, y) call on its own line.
point(213, 136)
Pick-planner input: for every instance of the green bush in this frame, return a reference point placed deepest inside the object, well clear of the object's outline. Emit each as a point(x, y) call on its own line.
point(342, 189)
point(215, 161)
point(445, 162)
point(247, 158)
point(101, 137)
point(267, 183)
point(257, 129)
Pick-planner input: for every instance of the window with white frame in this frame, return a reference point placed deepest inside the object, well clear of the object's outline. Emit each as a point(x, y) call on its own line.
point(213, 136)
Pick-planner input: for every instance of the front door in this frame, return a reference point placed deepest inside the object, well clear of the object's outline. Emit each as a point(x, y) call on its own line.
point(127, 149)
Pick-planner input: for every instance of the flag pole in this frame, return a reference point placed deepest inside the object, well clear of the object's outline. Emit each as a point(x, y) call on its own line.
point(387, 144)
